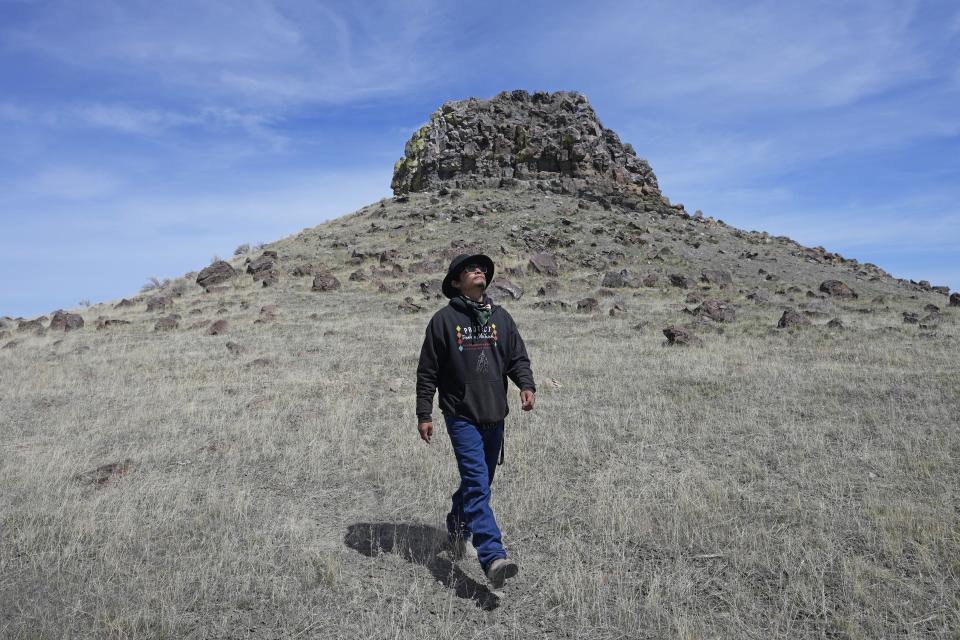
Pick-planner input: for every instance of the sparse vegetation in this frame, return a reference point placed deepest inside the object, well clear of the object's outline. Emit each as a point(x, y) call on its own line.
point(154, 284)
point(242, 250)
point(771, 483)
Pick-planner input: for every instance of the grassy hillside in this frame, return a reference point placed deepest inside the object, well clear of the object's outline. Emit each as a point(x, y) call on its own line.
point(771, 483)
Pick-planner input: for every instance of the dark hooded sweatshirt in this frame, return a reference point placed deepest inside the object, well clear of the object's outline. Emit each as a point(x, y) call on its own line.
point(470, 364)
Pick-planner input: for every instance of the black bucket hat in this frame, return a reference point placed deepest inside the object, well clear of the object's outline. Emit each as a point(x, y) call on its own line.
point(457, 265)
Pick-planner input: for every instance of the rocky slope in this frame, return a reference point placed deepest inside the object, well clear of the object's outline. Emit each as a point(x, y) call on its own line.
point(574, 219)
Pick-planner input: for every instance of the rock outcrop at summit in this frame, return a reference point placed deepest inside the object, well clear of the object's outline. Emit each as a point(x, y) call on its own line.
point(554, 139)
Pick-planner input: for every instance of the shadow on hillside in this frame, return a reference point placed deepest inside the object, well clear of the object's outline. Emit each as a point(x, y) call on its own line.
point(420, 544)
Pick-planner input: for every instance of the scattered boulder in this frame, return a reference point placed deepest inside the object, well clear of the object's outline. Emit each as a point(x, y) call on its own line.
point(267, 278)
point(910, 317)
point(501, 287)
point(836, 323)
point(168, 323)
point(269, 253)
point(588, 305)
point(388, 256)
point(930, 321)
point(63, 321)
point(325, 282)
point(618, 309)
point(235, 348)
point(124, 303)
point(106, 472)
point(31, 325)
point(551, 304)
point(616, 279)
point(395, 271)
point(650, 280)
point(432, 289)
point(597, 263)
point(216, 273)
point(955, 299)
point(13, 344)
point(837, 289)
point(680, 280)
point(106, 323)
point(303, 270)
point(543, 263)
point(357, 276)
point(516, 272)
point(217, 328)
point(716, 310)
point(409, 306)
point(269, 311)
point(383, 287)
point(548, 288)
point(760, 296)
point(792, 318)
point(931, 308)
point(159, 303)
point(717, 277)
point(681, 337)
point(263, 263)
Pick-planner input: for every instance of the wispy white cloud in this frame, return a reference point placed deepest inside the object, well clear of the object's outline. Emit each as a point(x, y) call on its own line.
point(71, 183)
point(749, 57)
point(261, 52)
point(149, 123)
point(128, 120)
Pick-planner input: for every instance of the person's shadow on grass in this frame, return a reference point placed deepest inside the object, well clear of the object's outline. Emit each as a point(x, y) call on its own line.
point(420, 544)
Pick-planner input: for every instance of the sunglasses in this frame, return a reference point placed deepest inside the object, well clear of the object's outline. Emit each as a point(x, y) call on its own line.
point(470, 268)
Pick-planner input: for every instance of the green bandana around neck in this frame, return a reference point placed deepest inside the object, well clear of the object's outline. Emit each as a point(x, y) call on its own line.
point(482, 310)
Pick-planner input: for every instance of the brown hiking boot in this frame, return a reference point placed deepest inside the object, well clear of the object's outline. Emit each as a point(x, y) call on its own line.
point(500, 570)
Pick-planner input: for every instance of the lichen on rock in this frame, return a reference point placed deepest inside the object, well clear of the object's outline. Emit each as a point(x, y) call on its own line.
point(552, 139)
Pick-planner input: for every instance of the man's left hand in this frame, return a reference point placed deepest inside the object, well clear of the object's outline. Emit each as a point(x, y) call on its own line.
point(527, 399)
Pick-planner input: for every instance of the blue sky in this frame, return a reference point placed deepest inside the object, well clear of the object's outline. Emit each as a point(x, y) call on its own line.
point(142, 138)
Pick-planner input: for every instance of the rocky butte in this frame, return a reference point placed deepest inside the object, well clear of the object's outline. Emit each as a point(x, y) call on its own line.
point(553, 140)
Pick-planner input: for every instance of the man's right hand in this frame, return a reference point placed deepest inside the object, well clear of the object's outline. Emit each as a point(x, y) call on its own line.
point(426, 431)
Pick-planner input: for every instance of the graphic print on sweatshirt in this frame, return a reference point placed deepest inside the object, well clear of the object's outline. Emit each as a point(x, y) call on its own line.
point(483, 365)
point(476, 337)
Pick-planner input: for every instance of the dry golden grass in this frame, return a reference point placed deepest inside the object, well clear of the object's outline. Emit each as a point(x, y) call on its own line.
point(769, 484)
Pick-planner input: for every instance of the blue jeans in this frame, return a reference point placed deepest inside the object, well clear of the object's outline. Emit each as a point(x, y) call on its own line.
point(470, 516)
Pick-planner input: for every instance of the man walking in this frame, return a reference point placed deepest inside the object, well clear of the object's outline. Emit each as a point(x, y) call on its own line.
point(470, 349)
